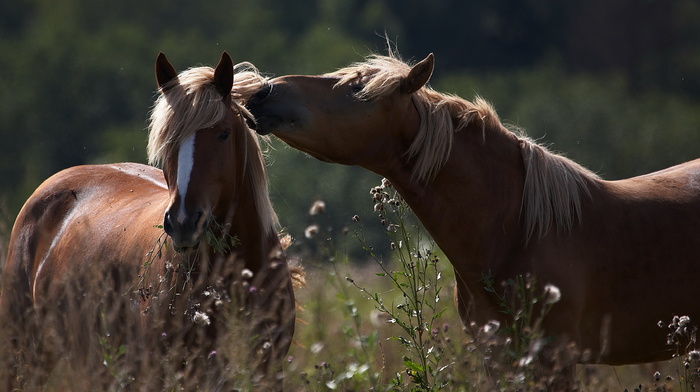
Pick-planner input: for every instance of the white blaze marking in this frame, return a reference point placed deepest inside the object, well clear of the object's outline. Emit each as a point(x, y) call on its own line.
point(185, 162)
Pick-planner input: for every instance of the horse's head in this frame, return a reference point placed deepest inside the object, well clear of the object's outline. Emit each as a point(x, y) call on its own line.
point(197, 147)
point(350, 116)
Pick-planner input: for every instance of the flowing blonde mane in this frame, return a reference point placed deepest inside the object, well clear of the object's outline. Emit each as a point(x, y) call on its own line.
point(193, 103)
point(554, 184)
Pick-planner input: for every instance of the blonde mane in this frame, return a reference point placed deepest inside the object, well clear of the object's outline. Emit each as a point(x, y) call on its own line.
point(554, 184)
point(193, 103)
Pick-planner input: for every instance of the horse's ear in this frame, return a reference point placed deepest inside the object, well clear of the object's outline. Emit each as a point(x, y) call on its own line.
point(223, 76)
point(418, 76)
point(165, 72)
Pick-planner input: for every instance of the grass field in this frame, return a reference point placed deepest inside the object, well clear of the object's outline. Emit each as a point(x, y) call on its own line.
point(386, 323)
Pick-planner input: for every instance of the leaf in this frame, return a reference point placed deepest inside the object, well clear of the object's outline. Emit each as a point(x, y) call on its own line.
point(412, 365)
point(439, 314)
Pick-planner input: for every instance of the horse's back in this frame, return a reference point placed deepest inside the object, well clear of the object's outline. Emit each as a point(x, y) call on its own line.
point(637, 248)
point(60, 225)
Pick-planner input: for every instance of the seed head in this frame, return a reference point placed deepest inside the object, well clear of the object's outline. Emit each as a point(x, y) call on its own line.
point(683, 321)
point(246, 273)
point(319, 207)
point(201, 318)
point(491, 327)
point(552, 294)
point(311, 231)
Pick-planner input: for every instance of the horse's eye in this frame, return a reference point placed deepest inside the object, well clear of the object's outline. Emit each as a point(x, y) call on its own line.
point(357, 87)
point(359, 84)
point(224, 135)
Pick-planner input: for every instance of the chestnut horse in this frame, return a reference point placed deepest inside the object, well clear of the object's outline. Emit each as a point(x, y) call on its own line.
point(221, 245)
point(623, 253)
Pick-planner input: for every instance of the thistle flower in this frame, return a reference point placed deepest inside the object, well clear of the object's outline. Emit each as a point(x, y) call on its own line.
point(683, 321)
point(246, 273)
point(311, 231)
point(552, 294)
point(491, 327)
point(319, 207)
point(201, 318)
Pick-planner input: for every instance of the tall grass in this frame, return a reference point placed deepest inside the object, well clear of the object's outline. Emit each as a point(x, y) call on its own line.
point(386, 323)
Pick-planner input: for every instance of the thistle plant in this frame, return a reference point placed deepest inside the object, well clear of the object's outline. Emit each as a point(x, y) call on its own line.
point(416, 279)
point(683, 337)
point(518, 301)
point(529, 358)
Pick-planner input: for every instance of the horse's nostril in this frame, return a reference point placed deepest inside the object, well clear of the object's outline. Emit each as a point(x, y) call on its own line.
point(167, 224)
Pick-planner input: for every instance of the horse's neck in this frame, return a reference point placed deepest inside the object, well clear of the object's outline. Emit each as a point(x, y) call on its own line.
point(255, 240)
point(474, 200)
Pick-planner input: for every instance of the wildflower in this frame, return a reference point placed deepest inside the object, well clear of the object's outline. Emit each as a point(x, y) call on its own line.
point(246, 273)
point(491, 327)
point(211, 354)
point(311, 231)
point(378, 207)
point(386, 183)
point(201, 318)
point(694, 355)
point(355, 218)
point(657, 376)
point(683, 321)
point(319, 207)
point(552, 294)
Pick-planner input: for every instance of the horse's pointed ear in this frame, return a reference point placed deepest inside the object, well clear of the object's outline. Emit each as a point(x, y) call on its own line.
point(223, 76)
point(165, 72)
point(418, 76)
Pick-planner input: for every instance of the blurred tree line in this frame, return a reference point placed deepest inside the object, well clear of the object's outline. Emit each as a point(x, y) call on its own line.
point(613, 83)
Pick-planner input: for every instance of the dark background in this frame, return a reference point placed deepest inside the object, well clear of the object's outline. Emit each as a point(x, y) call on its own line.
point(613, 83)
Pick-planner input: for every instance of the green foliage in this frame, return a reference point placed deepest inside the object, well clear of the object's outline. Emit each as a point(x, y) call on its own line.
point(417, 280)
point(621, 98)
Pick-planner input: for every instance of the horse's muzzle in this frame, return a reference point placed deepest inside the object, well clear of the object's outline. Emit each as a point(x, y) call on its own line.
point(188, 233)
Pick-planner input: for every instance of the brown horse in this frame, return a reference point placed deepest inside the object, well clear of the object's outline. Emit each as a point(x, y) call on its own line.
point(218, 219)
point(623, 253)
